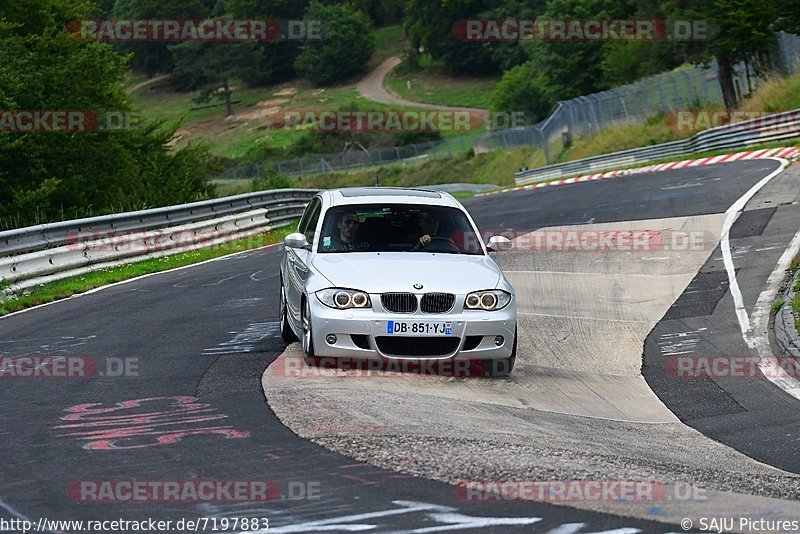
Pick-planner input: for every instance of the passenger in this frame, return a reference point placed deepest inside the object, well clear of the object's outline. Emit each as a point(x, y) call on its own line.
point(346, 239)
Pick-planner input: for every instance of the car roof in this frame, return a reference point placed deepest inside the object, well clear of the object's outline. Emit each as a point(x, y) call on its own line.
point(390, 195)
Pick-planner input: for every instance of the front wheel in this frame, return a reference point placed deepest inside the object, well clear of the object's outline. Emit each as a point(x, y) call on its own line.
point(503, 366)
point(308, 340)
point(287, 334)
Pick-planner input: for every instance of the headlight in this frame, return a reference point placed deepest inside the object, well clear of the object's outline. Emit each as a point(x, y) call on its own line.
point(342, 299)
point(487, 300)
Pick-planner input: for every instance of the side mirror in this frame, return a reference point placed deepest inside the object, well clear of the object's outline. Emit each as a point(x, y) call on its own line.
point(499, 243)
point(296, 240)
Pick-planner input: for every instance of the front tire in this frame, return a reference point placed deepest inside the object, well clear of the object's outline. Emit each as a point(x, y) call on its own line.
point(308, 338)
point(286, 330)
point(503, 366)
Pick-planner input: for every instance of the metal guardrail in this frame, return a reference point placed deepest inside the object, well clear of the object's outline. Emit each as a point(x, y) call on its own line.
point(769, 128)
point(47, 252)
point(43, 236)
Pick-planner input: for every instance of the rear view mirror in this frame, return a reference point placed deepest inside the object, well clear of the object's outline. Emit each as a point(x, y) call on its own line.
point(499, 243)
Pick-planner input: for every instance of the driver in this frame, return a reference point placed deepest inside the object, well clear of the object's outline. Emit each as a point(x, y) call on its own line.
point(429, 227)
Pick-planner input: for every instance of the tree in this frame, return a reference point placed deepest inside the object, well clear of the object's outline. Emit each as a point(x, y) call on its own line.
point(212, 65)
point(429, 25)
point(344, 49)
point(574, 68)
point(743, 32)
point(789, 18)
point(522, 90)
point(273, 61)
point(155, 57)
point(627, 61)
point(47, 176)
point(383, 12)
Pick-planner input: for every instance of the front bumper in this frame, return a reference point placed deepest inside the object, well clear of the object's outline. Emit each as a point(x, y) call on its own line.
point(369, 324)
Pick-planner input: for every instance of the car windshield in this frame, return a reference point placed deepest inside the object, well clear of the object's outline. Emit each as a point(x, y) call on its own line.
point(398, 228)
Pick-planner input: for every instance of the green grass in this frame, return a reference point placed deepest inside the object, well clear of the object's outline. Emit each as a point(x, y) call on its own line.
point(232, 137)
point(780, 94)
point(777, 94)
point(486, 168)
point(777, 305)
point(796, 311)
point(389, 41)
point(496, 167)
point(61, 289)
point(651, 132)
point(434, 85)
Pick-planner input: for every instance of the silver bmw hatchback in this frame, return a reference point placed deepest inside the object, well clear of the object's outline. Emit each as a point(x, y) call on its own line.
point(391, 273)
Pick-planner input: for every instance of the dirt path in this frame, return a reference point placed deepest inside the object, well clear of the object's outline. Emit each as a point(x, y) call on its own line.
point(371, 86)
point(145, 83)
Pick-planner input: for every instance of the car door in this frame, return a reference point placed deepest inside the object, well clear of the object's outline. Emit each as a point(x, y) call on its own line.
point(298, 260)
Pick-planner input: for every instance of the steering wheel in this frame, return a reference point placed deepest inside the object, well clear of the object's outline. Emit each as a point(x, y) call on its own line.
point(449, 244)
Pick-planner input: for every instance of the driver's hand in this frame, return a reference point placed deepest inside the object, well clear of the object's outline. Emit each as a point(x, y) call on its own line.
point(424, 240)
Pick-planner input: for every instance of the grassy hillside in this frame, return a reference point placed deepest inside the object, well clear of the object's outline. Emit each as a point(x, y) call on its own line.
point(498, 167)
point(434, 85)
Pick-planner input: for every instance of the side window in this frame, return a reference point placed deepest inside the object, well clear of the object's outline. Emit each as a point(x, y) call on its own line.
point(307, 215)
point(311, 224)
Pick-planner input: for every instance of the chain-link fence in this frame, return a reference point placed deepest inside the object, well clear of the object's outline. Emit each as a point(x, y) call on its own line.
point(787, 53)
point(684, 88)
point(358, 157)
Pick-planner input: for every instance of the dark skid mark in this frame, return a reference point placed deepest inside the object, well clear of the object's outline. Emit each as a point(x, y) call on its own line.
point(701, 296)
point(752, 223)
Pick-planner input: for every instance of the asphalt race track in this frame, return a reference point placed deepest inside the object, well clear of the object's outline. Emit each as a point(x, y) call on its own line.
point(196, 342)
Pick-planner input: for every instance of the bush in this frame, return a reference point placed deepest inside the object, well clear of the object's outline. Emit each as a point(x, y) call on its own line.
point(522, 91)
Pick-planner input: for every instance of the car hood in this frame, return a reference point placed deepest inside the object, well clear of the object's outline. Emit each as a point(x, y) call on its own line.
point(382, 272)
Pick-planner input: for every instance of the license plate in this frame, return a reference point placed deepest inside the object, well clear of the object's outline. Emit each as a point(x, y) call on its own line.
point(419, 328)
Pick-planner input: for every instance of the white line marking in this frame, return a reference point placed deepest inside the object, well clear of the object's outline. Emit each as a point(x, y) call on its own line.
point(13, 512)
point(755, 336)
point(406, 507)
point(461, 522)
point(22, 516)
point(575, 528)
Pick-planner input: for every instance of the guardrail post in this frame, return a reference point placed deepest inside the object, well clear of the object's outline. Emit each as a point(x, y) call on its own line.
point(661, 99)
point(544, 146)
